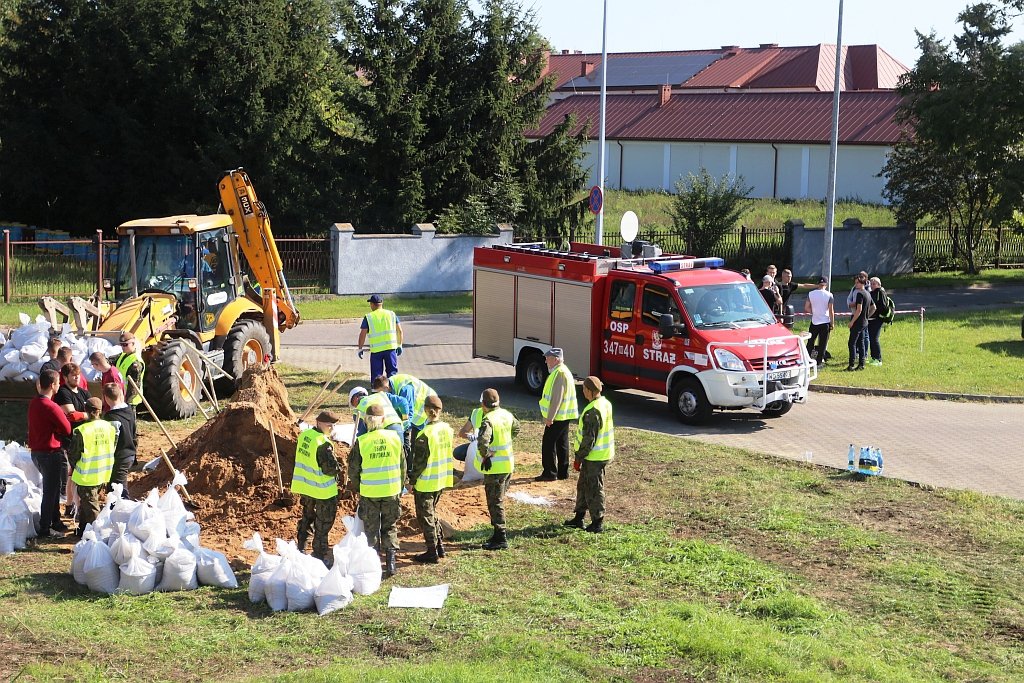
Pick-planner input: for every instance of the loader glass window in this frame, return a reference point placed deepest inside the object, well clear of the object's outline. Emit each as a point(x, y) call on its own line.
point(658, 301)
point(162, 262)
point(216, 289)
point(620, 305)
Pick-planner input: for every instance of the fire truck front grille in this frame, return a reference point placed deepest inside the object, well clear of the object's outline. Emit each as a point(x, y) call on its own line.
point(787, 360)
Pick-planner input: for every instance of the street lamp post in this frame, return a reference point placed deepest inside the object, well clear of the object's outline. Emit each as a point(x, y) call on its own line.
point(833, 151)
point(599, 229)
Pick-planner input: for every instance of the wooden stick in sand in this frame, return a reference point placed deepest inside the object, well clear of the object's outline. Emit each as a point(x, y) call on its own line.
point(173, 473)
point(319, 395)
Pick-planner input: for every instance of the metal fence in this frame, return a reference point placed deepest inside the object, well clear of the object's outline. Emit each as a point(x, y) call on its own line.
point(58, 267)
point(999, 248)
point(307, 263)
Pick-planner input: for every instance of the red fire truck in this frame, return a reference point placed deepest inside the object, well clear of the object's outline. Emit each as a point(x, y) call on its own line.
point(679, 326)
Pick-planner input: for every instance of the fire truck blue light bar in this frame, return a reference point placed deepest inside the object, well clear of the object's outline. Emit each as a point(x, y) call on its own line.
point(686, 264)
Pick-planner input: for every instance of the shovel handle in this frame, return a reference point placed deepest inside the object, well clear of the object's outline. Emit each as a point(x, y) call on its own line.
point(277, 459)
point(322, 391)
point(167, 460)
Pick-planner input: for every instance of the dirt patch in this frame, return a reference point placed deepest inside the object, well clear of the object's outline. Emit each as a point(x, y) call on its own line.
point(232, 477)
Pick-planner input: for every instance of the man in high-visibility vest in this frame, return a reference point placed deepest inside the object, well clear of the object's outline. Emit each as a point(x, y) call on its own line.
point(497, 462)
point(383, 330)
point(315, 479)
point(430, 474)
point(558, 409)
point(130, 365)
point(376, 471)
point(415, 391)
point(595, 448)
point(92, 459)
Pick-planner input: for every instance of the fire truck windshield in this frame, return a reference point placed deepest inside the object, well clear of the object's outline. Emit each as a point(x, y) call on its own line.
point(732, 305)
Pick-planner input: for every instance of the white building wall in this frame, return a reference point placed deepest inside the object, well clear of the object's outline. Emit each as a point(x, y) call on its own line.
point(802, 170)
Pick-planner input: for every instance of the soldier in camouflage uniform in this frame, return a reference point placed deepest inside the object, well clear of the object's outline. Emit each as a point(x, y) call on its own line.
point(431, 473)
point(376, 471)
point(497, 429)
point(315, 478)
point(595, 448)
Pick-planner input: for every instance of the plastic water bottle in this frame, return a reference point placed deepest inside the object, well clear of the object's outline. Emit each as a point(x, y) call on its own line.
point(850, 464)
point(878, 459)
point(865, 462)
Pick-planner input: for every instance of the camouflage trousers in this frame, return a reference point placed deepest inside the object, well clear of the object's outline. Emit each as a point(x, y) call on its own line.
point(380, 519)
point(426, 508)
point(89, 504)
point(495, 486)
point(318, 514)
point(590, 490)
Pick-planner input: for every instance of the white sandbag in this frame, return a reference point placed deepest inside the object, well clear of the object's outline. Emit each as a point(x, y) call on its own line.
point(261, 569)
point(213, 569)
point(27, 376)
point(277, 583)
point(146, 519)
point(138, 577)
point(37, 366)
point(101, 572)
point(158, 567)
point(335, 590)
point(190, 539)
point(24, 529)
point(179, 572)
point(170, 504)
point(364, 567)
point(353, 528)
point(79, 552)
point(11, 356)
point(7, 530)
point(123, 545)
point(32, 352)
point(21, 458)
point(471, 472)
point(12, 370)
point(306, 574)
point(123, 510)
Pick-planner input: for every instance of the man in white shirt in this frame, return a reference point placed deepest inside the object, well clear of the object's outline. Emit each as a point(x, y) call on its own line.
point(821, 306)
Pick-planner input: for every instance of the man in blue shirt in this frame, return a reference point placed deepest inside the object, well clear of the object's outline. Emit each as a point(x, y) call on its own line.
point(385, 338)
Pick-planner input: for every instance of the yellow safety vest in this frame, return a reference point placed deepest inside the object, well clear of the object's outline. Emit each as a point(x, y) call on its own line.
point(420, 393)
point(381, 473)
point(500, 448)
point(97, 461)
point(604, 444)
point(307, 477)
point(382, 332)
point(125, 361)
point(438, 473)
point(378, 399)
point(567, 409)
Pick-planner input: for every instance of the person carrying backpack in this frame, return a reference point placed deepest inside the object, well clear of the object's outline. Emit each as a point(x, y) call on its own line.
point(882, 314)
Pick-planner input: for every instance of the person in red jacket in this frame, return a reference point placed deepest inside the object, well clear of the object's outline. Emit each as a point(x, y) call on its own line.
point(47, 427)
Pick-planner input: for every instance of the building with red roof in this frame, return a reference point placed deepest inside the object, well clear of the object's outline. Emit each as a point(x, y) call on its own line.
point(763, 113)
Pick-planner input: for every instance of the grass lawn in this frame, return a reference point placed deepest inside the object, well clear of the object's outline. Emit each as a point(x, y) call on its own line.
point(719, 565)
point(976, 353)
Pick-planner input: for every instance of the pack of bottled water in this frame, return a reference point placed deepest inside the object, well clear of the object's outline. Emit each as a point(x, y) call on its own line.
point(869, 461)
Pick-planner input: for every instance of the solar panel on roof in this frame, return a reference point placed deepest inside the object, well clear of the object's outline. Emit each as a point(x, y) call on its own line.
point(646, 71)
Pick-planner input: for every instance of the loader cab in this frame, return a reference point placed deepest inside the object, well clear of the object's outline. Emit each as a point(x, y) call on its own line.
point(188, 257)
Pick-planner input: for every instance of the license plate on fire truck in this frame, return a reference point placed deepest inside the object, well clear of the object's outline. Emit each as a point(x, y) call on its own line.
point(779, 374)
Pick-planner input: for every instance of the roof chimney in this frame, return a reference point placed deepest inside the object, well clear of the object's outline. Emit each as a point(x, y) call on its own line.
point(586, 67)
point(565, 52)
point(730, 47)
point(731, 50)
point(766, 46)
point(666, 94)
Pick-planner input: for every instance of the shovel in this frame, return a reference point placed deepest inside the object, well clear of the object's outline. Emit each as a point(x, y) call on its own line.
point(285, 500)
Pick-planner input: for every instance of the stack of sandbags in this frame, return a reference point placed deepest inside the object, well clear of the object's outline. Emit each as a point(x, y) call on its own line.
point(20, 498)
point(146, 546)
point(23, 353)
point(294, 581)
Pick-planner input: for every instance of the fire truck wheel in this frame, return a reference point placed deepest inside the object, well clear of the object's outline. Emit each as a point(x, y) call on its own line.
point(777, 409)
point(688, 401)
point(532, 372)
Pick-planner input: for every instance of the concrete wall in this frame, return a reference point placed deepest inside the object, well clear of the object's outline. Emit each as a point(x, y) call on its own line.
point(879, 251)
point(802, 170)
point(422, 262)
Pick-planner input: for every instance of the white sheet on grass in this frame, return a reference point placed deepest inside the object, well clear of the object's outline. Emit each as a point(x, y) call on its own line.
point(524, 497)
point(431, 597)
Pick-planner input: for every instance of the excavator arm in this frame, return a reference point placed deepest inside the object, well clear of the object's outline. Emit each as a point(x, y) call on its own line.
point(255, 239)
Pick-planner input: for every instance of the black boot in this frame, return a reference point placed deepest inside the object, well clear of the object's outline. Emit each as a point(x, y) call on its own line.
point(576, 522)
point(440, 549)
point(498, 541)
point(429, 557)
point(300, 542)
point(390, 569)
point(596, 526)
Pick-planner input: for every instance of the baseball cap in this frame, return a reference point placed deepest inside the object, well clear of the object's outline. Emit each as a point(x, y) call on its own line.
point(375, 299)
point(554, 352)
point(822, 280)
point(490, 398)
point(95, 403)
point(593, 383)
point(327, 416)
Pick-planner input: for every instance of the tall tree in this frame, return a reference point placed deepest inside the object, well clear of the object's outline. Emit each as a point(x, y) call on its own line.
point(963, 162)
point(128, 108)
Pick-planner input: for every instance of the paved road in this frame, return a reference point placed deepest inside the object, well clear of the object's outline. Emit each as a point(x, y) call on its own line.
point(959, 445)
point(999, 296)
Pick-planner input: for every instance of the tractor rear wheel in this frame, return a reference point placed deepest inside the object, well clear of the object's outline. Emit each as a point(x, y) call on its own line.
point(246, 346)
point(172, 379)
